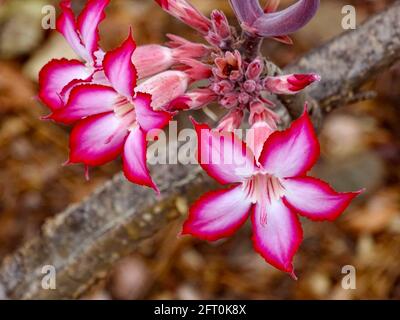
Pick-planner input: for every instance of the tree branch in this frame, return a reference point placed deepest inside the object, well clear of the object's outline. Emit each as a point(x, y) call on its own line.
point(85, 240)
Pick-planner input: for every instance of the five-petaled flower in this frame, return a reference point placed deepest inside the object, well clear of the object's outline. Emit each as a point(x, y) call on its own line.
point(116, 118)
point(58, 77)
point(273, 187)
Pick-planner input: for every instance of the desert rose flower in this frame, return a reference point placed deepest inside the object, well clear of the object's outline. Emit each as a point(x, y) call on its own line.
point(115, 118)
point(273, 189)
point(58, 77)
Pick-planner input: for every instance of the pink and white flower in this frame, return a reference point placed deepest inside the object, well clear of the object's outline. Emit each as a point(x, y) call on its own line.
point(58, 77)
point(273, 188)
point(114, 119)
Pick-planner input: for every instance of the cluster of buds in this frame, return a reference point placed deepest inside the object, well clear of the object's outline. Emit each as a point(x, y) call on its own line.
point(113, 99)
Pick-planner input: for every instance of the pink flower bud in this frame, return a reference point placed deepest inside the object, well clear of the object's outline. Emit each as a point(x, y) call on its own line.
point(196, 69)
point(229, 100)
point(254, 70)
point(250, 86)
point(185, 12)
point(200, 98)
point(183, 48)
point(165, 87)
point(220, 25)
point(152, 59)
point(213, 39)
point(243, 98)
point(223, 87)
point(231, 121)
point(289, 84)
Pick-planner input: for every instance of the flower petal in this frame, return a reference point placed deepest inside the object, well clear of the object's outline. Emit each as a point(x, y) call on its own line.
point(315, 199)
point(97, 140)
point(291, 152)
point(223, 155)
point(257, 135)
point(278, 239)
point(134, 159)
point(57, 74)
point(217, 214)
point(152, 59)
point(88, 23)
point(86, 100)
point(66, 25)
point(148, 118)
point(119, 68)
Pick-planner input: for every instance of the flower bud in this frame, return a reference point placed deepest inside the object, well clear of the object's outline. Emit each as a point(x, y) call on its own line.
point(152, 59)
point(165, 87)
point(223, 87)
point(250, 86)
point(289, 84)
point(220, 24)
point(229, 100)
point(185, 12)
point(196, 69)
point(183, 48)
point(254, 70)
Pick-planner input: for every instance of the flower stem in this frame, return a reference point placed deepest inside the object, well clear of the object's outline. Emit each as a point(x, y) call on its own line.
point(251, 46)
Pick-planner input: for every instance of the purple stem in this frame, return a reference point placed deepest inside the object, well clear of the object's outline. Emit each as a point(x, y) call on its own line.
point(286, 21)
point(289, 20)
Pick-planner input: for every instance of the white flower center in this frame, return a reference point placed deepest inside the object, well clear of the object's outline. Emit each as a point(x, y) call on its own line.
point(125, 110)
point(263, 186)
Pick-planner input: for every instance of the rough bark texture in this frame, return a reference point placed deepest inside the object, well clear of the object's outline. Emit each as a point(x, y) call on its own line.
point(86, 239)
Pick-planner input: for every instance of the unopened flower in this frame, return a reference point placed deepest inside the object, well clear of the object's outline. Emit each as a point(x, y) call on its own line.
point(184, 48)
point(273, 189)
point(153, 58)
point(221, 33)
point(196, 70)
point(200, 97)
point(184, 11)
point(113, 120)
point(165, 87)
point(289, 84)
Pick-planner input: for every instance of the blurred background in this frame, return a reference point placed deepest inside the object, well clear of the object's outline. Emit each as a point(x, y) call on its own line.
point(360, 148)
